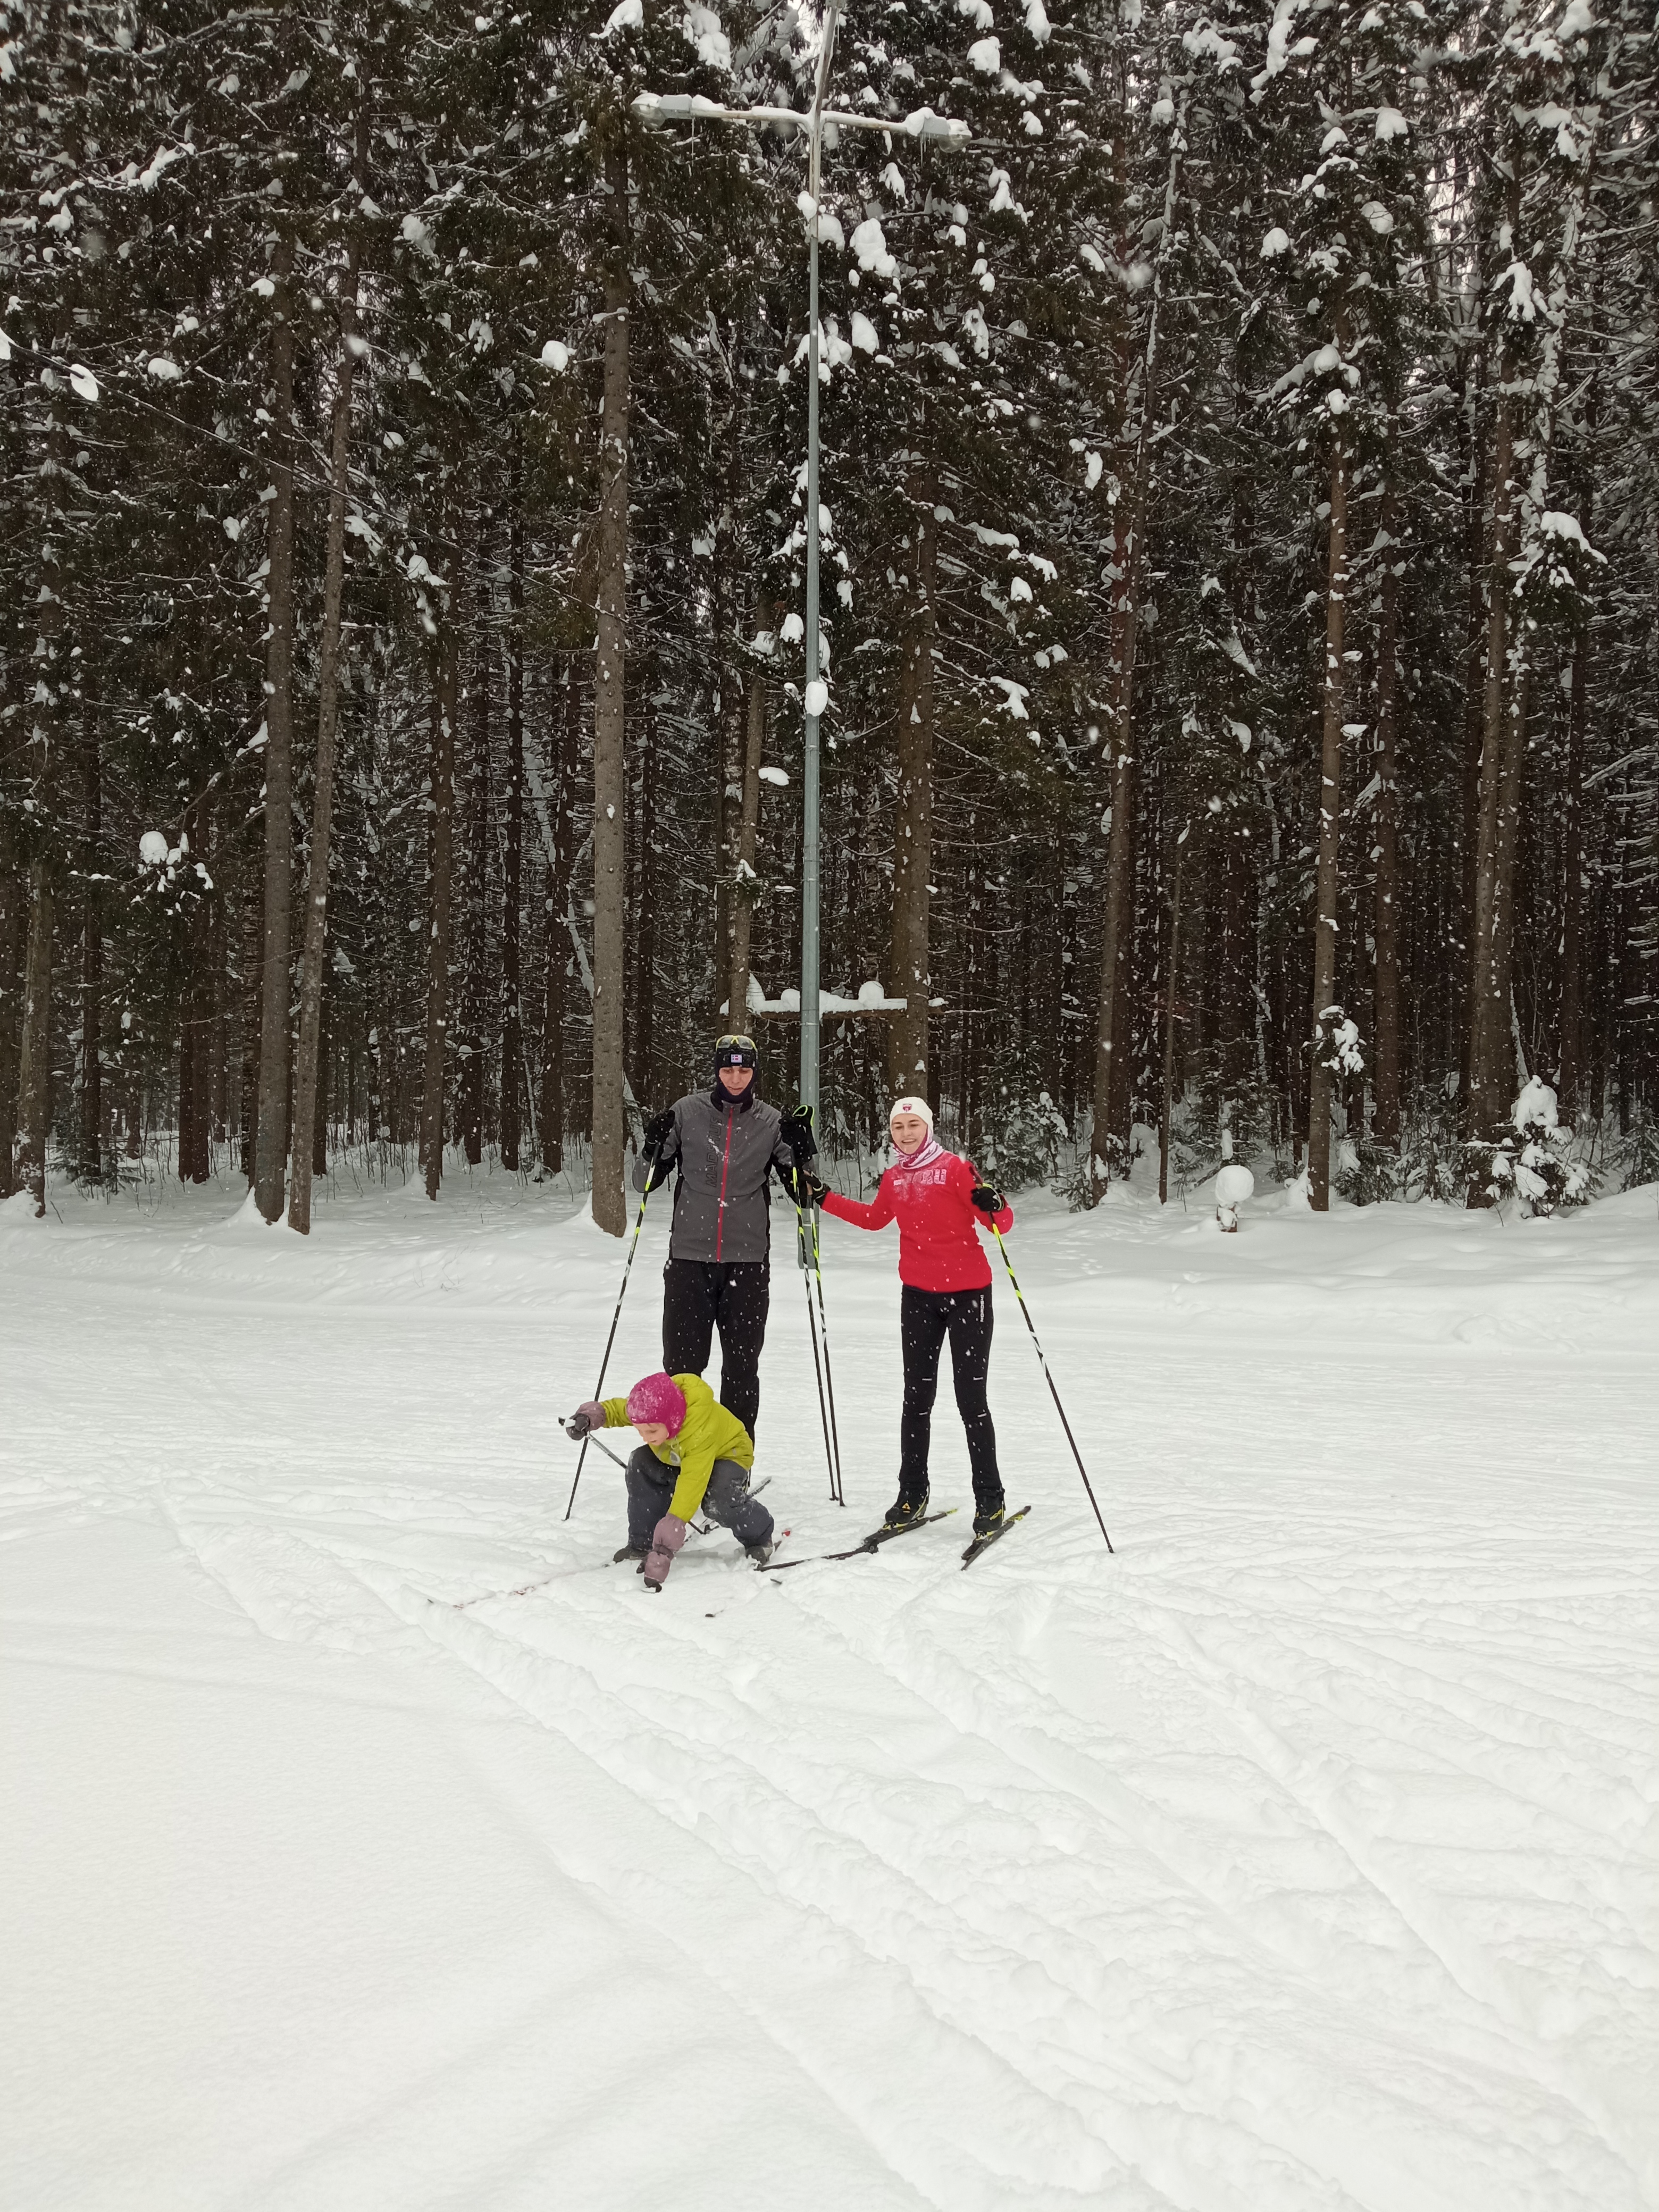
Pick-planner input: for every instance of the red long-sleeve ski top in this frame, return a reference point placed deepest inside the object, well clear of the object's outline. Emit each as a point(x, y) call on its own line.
point(938, 1240)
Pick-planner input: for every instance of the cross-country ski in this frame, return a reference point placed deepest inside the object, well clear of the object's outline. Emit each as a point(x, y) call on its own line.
point(994, 1535)
point(865, 1545)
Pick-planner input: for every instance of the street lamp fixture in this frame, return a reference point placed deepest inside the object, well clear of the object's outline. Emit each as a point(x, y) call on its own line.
point(654, 109)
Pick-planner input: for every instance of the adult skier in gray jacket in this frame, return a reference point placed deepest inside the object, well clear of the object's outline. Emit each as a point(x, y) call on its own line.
point(726, 1144)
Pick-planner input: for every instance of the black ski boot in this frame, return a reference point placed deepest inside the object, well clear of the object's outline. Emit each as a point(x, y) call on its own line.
point(988, 1519)
point(904, 1512)
point(760, 1553)
point(628, 1552)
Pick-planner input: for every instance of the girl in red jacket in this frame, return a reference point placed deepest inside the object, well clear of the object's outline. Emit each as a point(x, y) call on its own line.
point(939, 1202)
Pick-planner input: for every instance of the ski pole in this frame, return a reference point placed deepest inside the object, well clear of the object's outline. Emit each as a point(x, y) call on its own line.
point(639, 1224)
point(829, 1379)
point(1049, 1380)
point(591, 1438)
point(812, 1331)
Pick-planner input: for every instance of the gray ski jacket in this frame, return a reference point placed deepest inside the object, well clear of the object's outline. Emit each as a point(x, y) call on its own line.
point(724, 1154)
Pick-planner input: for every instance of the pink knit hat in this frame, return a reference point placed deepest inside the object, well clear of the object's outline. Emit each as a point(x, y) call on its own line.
point(657, 1398)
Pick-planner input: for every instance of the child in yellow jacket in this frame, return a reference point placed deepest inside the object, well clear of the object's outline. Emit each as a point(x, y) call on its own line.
point(693, 1453)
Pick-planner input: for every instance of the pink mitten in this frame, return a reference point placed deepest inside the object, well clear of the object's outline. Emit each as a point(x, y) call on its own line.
point(666, 1540)
point(590, 1415)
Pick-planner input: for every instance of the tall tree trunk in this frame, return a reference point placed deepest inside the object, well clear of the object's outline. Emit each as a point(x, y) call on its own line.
point(34, 1071)
point(195, 1158)
point(195, 1002)
point(746, 886)
point(1572, 862)
point(306, 1080)
point(1488, 1033)
point(185, 1158)
point(252, 1025)
point(269, 1173)
point(1503, 1082)
point(319, 1110)
point(13, 910)
point(1475, 651)
point(218, 1084)
point(1236, 969)
point(441, 847)
point(1112, 1043)
point(1570, 1074)
point(1385, 917)
point(1330, 826)
point(513, 1076)
point(558, 948)
point(91, 1166)
point(1171, 995)
point(642, 1012)
point(610, 782)
point(727, 717)
point(913, 820)
point(1491, 1062)
point(475, 1025)
point(1113, 1015)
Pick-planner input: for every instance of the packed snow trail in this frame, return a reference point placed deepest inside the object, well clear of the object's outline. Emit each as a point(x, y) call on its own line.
point(1300, 1858)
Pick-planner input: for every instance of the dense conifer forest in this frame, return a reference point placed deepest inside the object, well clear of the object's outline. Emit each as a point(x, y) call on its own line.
point(1240, 603)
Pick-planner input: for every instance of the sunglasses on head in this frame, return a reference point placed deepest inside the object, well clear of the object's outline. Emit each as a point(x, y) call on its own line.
point(735, 1052)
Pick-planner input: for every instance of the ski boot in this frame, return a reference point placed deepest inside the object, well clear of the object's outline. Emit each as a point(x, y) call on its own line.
point(904, 1512)
point(758, 1554)
point(988, 1519)
point(628, 1552)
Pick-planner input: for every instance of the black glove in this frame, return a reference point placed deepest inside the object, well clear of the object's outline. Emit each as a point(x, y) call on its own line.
point(798, 1135)
point(657, 1129)
point(988, 1202)
point(808, 1190)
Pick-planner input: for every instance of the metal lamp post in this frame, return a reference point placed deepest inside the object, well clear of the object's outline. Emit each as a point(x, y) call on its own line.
point(691, 107)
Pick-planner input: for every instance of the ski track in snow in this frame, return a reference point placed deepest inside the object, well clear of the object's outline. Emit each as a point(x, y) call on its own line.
point(1299, 1858)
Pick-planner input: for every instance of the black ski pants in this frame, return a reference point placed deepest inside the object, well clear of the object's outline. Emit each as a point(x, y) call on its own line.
point(726, 1500)
point(701, 1296)
point(926, 1319)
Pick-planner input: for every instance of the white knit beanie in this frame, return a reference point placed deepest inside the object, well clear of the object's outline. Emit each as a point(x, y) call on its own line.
point(918, 1106)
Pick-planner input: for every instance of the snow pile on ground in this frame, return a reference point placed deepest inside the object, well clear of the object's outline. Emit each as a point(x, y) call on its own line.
point(1299, 1858)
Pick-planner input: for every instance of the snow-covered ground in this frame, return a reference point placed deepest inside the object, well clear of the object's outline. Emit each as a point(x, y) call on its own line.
point(1300, 1857)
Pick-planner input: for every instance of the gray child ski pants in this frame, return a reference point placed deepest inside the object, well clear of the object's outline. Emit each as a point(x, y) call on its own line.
point(726, 1500)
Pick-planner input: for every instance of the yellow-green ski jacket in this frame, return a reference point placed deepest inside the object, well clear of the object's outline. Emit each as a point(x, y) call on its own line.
point(708, 1433)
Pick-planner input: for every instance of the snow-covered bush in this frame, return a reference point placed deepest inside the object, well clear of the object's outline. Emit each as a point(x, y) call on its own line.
point(1337, 1044)
point(1225, 1115)
point(1024, 1134)
point(1639, 1160)
point(1368, 1174)
point(1430, 1162)
point(1532, 1158)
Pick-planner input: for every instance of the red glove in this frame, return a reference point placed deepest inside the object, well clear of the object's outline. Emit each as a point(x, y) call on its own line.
point(666, 1540)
